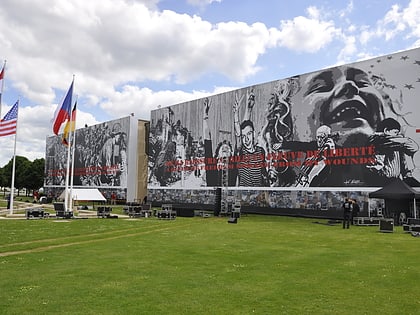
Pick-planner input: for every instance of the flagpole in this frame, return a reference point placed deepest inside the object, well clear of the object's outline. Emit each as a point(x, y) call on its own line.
point(12, 188)
point(73, 143)
point(66, 198)
point(2, 83)
point(12, 193)
point(72, 170)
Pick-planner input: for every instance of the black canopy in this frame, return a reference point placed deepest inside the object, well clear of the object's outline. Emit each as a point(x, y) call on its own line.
point(396, 189)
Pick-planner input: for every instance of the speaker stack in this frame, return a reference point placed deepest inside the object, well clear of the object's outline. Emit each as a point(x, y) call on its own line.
point(218, 202)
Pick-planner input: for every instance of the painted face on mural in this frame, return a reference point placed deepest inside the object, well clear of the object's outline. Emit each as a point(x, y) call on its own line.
point(248, 138)
point(224, 151)
point(343, 98)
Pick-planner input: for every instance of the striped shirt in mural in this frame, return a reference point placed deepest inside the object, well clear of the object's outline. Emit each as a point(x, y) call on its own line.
point(251, 168)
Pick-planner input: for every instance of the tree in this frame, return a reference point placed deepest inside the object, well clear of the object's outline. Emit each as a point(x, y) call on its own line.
point(29, 175)
point(35, 178)
point(3, 180)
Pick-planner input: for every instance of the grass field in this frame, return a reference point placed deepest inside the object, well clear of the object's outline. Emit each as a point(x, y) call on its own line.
point(262, 265)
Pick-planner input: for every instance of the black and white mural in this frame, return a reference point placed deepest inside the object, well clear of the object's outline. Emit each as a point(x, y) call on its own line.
point(304, 142)
point(347, 126)
point(100, 159)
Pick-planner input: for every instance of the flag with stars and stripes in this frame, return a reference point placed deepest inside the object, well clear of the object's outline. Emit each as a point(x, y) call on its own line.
point(9, 123)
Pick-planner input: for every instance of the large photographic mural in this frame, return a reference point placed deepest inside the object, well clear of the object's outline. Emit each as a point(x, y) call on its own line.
point(347, 126)
point(100, 159)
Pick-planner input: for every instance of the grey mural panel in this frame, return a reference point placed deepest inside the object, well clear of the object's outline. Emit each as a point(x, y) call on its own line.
point(100, 158)
point(347, 126)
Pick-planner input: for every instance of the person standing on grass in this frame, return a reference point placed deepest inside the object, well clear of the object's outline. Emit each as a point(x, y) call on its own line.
point(347, 209)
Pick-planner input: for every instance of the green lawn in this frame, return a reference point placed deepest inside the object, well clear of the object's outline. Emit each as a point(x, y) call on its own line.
point(262, 265)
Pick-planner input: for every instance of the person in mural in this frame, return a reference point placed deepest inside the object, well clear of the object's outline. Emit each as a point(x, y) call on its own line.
point(114, 158)
point(393, 155)
point(343, 98)
point(155, 146)
point(163, 175)
point(314, 171)
point(214, 171)
point(252, 163)
point(278, 128)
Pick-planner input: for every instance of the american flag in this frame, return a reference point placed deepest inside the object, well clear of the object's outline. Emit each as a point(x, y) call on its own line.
point(9, 122)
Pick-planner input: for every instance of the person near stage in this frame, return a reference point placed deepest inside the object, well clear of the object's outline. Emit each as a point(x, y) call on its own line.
point(347, 209)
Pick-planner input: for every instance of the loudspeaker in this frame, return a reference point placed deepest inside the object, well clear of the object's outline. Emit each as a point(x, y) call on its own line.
point(386, 225)
point(233, 220)
point(218, 201)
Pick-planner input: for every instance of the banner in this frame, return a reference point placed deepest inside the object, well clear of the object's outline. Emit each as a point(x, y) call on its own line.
point(347, 126)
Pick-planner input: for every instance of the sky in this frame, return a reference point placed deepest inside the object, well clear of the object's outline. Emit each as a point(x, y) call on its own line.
point(134, 56)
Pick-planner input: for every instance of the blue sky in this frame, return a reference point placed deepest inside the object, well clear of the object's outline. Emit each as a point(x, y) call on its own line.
point(130, 56)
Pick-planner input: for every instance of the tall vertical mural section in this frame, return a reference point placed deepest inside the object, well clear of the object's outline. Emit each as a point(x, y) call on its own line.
point(100, 159)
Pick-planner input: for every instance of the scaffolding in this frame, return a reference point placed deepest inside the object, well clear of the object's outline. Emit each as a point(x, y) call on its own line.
point(224, 209)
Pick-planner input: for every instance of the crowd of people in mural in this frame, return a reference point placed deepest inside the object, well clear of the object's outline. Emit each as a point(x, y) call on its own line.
point(334, 128)
point(100, 159)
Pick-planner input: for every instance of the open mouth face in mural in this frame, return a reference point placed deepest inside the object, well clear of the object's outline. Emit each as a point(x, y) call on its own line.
point(343, 98)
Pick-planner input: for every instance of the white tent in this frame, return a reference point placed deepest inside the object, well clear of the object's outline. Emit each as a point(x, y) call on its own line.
point(85, 194)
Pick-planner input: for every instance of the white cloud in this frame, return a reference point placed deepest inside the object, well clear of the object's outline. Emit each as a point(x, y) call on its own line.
point(202, 3)
point(94, 40)
point(411, 15)
point(349, 9)
point(307, 34)
point(116, 48)
point(348, 50)
point(396, 21)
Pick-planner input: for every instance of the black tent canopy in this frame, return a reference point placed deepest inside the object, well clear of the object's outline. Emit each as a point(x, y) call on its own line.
point(397, 190)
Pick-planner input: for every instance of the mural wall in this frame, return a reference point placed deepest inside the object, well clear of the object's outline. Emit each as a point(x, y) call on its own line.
point(351, 126)
point(100, 159)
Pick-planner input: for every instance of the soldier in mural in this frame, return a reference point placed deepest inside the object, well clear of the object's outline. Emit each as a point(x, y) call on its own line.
point(55, 163)
point(168, 153)
point(113, 157)
point(251, 162)
point(155, 147)
point(314, 171)
point(394, 154)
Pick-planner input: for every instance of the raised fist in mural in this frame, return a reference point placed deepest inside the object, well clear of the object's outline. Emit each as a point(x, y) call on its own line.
point(250, 96)
point(206, 107)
